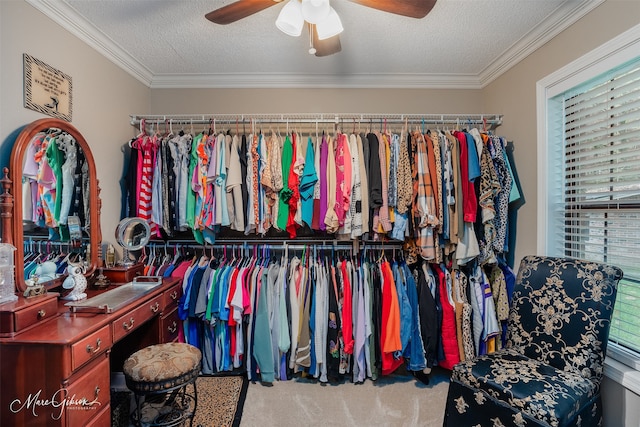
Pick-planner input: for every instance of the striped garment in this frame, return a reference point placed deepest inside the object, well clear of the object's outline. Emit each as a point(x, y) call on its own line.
point(148, 146)
point(425, 201)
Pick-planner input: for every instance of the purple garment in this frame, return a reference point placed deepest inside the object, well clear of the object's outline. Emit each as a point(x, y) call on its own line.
point(360, 335)
point(324, 154)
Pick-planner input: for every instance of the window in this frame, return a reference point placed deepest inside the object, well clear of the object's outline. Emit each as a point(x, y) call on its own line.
point(589, 164)
point(597, 216)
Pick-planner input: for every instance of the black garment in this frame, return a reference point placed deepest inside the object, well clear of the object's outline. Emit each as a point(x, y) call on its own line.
point(428, 317)
point(168, 188)
point(365, 152)
point(376, 314)
point(77, 205)
point(243, 170)
point(196, 282)
point(374, 173)
point(375, 178)
point(333, 332)
point(130, 178)
point(440, 348)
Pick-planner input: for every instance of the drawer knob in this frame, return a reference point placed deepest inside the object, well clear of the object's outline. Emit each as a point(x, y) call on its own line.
point(173, 328)
point(41, 314)
point(155, 307)
point(129, 325)
point(94, 350)
point(174, 295)
point(95, 400)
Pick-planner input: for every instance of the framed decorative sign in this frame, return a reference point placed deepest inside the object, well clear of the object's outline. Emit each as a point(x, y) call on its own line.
point(46, 89)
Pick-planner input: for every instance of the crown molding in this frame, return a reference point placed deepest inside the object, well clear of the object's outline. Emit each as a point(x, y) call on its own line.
point(559, 20)
point(259, 80)
point(64, 15)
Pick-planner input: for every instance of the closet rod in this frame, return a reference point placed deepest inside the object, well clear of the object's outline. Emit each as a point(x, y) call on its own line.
point(492, 120)
point(262, 242)
point(279, 246)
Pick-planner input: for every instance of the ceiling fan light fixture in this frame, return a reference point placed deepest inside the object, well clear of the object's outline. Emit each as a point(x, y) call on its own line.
point(314, 11)
point(290, 20)
point(330, 26)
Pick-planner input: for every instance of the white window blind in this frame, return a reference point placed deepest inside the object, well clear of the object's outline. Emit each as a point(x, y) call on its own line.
point(596, 210)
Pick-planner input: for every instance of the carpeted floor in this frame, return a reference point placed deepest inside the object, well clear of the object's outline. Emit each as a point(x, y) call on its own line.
point(397, 400)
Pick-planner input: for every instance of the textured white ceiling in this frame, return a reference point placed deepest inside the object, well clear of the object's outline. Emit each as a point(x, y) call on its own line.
point(461, 43)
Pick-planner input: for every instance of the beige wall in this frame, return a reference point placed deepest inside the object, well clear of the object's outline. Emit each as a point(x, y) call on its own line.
point(514, 94)
point(103, 94)
point(248, 101)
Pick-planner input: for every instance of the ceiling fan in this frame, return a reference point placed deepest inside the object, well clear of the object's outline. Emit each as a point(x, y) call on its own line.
point(322, 43)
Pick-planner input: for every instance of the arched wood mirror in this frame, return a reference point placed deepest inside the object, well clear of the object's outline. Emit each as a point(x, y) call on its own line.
point(80, 232)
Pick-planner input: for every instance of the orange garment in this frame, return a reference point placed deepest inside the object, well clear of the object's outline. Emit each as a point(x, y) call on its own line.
point(390, 335)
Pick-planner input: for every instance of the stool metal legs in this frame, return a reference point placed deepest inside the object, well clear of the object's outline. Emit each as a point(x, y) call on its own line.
point(168, 408)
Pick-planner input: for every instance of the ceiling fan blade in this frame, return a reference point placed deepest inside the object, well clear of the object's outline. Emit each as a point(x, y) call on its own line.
point(237, 10)
point(326, 47)
point(412, 8)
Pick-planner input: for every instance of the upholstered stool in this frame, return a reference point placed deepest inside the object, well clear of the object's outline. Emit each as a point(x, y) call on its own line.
point(161, 373)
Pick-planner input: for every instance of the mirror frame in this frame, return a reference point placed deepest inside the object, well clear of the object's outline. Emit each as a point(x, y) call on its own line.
point(15, 167)
point(127, 224)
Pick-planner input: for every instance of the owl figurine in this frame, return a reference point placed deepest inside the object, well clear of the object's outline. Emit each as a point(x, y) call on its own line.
point(76, 282)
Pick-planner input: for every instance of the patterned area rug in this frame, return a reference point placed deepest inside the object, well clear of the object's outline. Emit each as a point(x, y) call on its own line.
point(220, 400)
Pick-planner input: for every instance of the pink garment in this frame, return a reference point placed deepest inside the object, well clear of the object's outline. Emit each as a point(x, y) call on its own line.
point(137, 145)
point(246, 296)
point(343, 178)
point(347, 307)
point(181, 269)
point(294, 185)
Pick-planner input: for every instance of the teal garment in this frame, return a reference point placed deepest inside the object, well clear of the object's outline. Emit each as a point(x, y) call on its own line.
point(284, 338)
point(262, 333)
point(285, 193)
point(191, 195)
point(307, 184)
point(514, 193)
point(55, 158)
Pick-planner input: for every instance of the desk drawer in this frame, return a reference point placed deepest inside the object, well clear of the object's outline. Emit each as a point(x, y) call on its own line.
point(123, 275)
point(171, 297)
point(130, 321)
point(103, 419)
point(88, 394)
point(87, 348)
point(170, 325)
point(36, 313)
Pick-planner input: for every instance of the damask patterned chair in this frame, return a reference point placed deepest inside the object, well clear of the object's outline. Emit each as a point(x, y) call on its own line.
point(549, 374)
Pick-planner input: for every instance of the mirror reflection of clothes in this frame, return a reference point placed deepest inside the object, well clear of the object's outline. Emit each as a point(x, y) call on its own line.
point(54, 177)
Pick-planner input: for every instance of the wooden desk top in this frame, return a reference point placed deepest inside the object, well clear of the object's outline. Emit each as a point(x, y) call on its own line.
point(68, 327)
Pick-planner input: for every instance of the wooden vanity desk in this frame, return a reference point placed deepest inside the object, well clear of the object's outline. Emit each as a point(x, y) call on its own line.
point(57, 372)
point(55, 363)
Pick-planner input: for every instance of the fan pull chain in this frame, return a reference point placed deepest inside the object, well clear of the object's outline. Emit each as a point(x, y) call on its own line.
point(312, 49)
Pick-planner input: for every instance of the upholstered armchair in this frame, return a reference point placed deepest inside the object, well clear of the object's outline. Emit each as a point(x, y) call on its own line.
point(550, 371)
